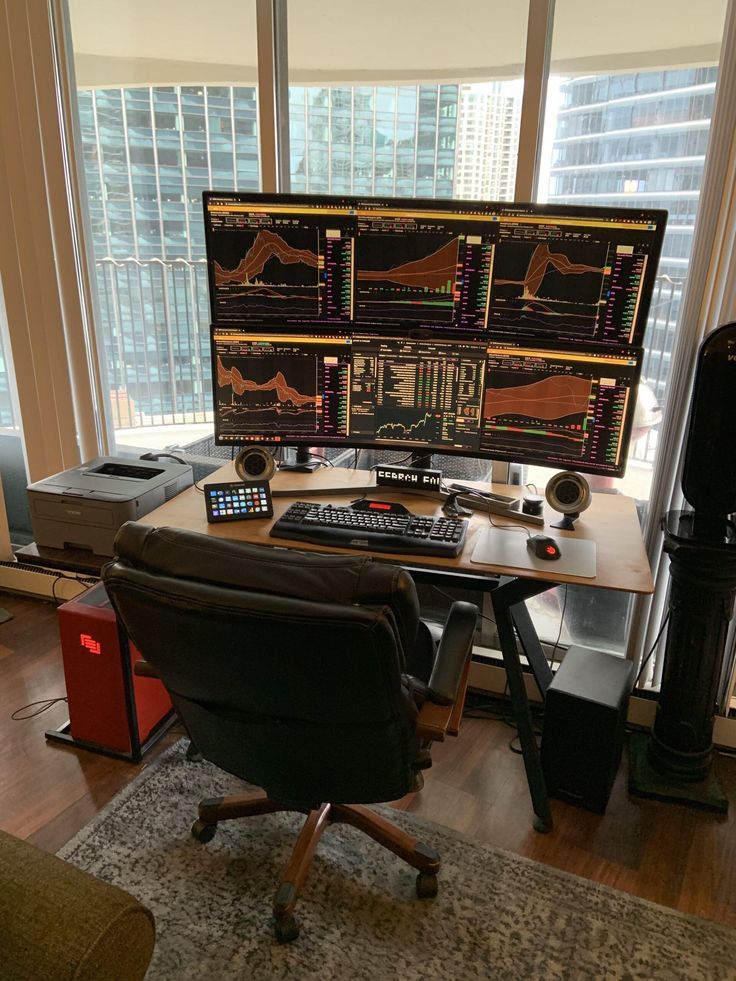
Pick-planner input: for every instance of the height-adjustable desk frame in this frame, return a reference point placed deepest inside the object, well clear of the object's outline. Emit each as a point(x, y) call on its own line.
point(611, 522)
point(514, 626)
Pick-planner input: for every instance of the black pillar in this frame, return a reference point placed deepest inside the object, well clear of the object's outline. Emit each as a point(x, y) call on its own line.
point(679, 751)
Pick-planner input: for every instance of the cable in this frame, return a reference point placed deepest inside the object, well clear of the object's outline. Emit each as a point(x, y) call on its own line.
point(559, 632)
point(394, 463)
point(651, 649)
point(47, 703)
point(86, 581)
point(452, 599)
point(510, 527)
point(155, 457)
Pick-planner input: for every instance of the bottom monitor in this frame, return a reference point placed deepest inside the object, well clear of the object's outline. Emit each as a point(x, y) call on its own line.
point(554, 405)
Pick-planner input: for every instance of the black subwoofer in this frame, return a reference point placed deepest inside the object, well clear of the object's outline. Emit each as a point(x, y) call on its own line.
point(583, 733)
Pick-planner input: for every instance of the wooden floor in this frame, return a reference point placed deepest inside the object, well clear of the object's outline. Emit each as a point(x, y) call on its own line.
point(670, 854)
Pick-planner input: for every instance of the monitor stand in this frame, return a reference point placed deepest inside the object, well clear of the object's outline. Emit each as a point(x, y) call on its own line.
point(304, 462)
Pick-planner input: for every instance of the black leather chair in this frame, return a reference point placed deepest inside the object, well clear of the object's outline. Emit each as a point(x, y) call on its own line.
point(310, 675)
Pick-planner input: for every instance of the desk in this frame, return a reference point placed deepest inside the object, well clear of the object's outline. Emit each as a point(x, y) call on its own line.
point(611, 522)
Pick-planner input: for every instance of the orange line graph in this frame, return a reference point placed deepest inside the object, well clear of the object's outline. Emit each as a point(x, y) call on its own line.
point(231, 377)
point(432, 271)
point(252, 264)
point(542, 258)
point(550, 398)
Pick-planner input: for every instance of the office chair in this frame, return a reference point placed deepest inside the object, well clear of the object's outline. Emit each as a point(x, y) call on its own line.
point(309, 675)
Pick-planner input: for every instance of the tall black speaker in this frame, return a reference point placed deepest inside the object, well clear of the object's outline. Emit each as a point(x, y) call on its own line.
point(709, 472)
point(674, 762)
point(583, 733)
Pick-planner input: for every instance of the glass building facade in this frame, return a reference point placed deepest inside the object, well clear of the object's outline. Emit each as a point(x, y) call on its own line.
point(148, 155)
point(637, 139)
point(393, 141)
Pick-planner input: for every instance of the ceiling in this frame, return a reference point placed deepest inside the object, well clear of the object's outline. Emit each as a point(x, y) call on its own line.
point(148, 42)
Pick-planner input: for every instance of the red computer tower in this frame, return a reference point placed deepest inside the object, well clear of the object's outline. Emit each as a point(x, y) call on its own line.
point(111, 710)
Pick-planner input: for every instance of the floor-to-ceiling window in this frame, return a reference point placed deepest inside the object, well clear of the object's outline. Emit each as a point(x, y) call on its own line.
point(405, 100)
point(630, 128)
point(388, 99)
point(168, 112)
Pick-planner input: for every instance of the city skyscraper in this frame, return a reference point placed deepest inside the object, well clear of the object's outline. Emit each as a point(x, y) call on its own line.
point(392, 141)
point(487, 141)
point(636, 140)
point(632, 139)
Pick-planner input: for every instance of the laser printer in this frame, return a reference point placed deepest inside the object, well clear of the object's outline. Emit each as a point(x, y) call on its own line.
point(84, 507)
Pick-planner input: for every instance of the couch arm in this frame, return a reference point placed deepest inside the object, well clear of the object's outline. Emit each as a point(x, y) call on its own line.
point(58, 923)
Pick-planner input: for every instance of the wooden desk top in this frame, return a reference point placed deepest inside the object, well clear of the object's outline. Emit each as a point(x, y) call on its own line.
point(611, 522)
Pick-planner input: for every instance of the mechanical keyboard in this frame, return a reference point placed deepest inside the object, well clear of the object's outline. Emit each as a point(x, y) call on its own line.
point(372, 525)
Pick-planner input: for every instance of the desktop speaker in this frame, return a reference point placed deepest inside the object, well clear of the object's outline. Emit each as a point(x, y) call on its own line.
point(567, 492)
point(583, 733)
point(709, 470)
point(255, 463)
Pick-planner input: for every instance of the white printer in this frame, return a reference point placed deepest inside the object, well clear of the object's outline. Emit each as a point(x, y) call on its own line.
point(84, 507)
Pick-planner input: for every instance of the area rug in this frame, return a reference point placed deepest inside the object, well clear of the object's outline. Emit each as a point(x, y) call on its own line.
point(496, 915)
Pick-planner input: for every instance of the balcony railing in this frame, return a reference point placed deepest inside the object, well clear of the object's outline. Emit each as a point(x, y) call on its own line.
point(155, 330)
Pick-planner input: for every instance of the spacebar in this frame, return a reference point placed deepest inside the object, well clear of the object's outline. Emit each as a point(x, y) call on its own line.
point(344, 538)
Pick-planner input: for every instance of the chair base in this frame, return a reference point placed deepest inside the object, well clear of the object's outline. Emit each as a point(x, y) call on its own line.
point(387, 834)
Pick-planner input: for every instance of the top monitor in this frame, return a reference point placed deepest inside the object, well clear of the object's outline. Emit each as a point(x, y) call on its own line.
point(486, 268)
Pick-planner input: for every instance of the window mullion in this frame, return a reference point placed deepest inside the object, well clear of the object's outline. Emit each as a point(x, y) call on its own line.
point(536, 74)
point(273, 94)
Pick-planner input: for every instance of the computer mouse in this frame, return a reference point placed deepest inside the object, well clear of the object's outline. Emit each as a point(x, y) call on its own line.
point(543, 547)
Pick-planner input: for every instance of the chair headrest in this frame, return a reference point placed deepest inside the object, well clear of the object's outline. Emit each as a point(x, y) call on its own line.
point(281, 572)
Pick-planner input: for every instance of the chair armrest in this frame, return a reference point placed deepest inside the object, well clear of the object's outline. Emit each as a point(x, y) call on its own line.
point(437, 721)
point(453, 653)
point(441, 713)
point(145, 670)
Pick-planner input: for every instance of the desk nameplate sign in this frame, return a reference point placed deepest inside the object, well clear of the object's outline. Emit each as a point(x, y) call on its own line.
point(408, 478)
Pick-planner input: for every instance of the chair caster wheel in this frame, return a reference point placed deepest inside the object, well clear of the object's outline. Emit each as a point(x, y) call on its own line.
point(542, 826)
point(203, 832)
point(426, 885)
point(286, 928)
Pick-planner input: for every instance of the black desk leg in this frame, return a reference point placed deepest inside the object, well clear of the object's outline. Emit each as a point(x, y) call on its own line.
point(532, 648)
point(505, 600)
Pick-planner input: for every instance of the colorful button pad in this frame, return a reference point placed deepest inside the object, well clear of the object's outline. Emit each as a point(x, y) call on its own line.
point(238, 501)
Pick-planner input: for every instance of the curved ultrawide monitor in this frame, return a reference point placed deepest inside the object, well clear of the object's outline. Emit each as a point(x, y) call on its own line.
point(558, 405)
point(488, 329)
point(562, 272)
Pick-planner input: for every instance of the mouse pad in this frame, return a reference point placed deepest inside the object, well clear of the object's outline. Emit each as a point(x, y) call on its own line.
point(497, 546)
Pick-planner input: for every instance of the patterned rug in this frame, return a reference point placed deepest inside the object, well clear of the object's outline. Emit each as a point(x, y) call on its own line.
point(496, 916)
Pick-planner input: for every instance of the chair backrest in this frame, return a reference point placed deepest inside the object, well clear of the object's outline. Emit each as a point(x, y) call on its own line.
point(288, 668)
